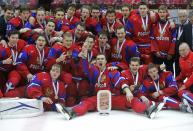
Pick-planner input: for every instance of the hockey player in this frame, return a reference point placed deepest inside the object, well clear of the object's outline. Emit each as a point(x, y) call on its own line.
point(121, 49)
point(161, 87)
point(79, 34)
point(38, 21)
point(135, 75)
point(32, 59)
point(8, 60)
point(103, 46)
point(80, 65)
point(125, 11)
point(48, 88)
point(163, 40)
point(110, 24)
point(103, 79)
point(139, 30)
point(91, 24)
point(70, 20)
point(19, 22)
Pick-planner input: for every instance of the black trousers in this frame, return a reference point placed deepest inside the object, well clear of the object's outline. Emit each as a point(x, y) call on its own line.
point(168, 63)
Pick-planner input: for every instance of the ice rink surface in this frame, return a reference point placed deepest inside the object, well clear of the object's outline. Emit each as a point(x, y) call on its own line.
point(116, 121)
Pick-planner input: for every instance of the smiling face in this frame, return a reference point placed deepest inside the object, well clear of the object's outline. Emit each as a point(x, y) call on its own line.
point(85, 13)
point(103, 40)
point(120, 34)
point(143, 10)
point(68, 41)
point(40, 42)
point(182, 15)
point(110, 17)
point(125, 11)
point(13, 39)
point(79, 30)
point(8, 14)
point(95, 13)
point(59, 15)
point(184, 50)
point(88, 44)
point(25, 14)
point(55, 72)
point(134, 66)
point(71, 11)
point(50, 26)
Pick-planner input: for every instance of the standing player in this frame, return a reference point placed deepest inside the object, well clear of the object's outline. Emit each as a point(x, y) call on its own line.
point(121, 49)
point(163, 40)
point(139, 30)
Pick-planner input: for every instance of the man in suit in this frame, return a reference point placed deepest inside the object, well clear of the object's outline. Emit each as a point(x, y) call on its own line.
point(183, 19)
point(187, 35)
point(4, 19)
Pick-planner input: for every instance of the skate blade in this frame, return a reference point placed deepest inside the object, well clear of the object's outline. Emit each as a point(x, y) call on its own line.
point(157, 110)
point(61, 110)
point(189, 109)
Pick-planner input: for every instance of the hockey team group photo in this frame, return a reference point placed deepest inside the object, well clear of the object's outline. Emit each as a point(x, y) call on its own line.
point(77, 57)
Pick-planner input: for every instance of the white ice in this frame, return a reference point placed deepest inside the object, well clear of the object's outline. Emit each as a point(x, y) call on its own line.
point(116, 121)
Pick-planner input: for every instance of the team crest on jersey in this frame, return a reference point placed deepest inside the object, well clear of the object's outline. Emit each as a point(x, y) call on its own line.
point(48, 92)
point(162, 85)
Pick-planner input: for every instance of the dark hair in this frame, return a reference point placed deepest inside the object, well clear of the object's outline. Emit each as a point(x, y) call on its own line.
point(12, 32)
point(143, 3)
point(50, 21)
point(58, 10)
point(101, 54)
point(71, 6)
point(24, 8)
point(41, 35)
point(95, 7)
point(82, 25)
point(91, 36)
point(110, 11)
point(58, 66)
point(162, 7)
point(103, 33)
point(8, 7)
point(151, 65)
point(135, 59)
point(126, 5)
point(86, 7)
point(40, 9)
point(67, 34)
point(119, 28)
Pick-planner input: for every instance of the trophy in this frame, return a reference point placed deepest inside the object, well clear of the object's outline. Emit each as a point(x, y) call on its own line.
point(104, 102)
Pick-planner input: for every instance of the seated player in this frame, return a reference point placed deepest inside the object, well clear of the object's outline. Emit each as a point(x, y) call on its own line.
point(103, 79)
point(48, 88)
point(161, 86)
